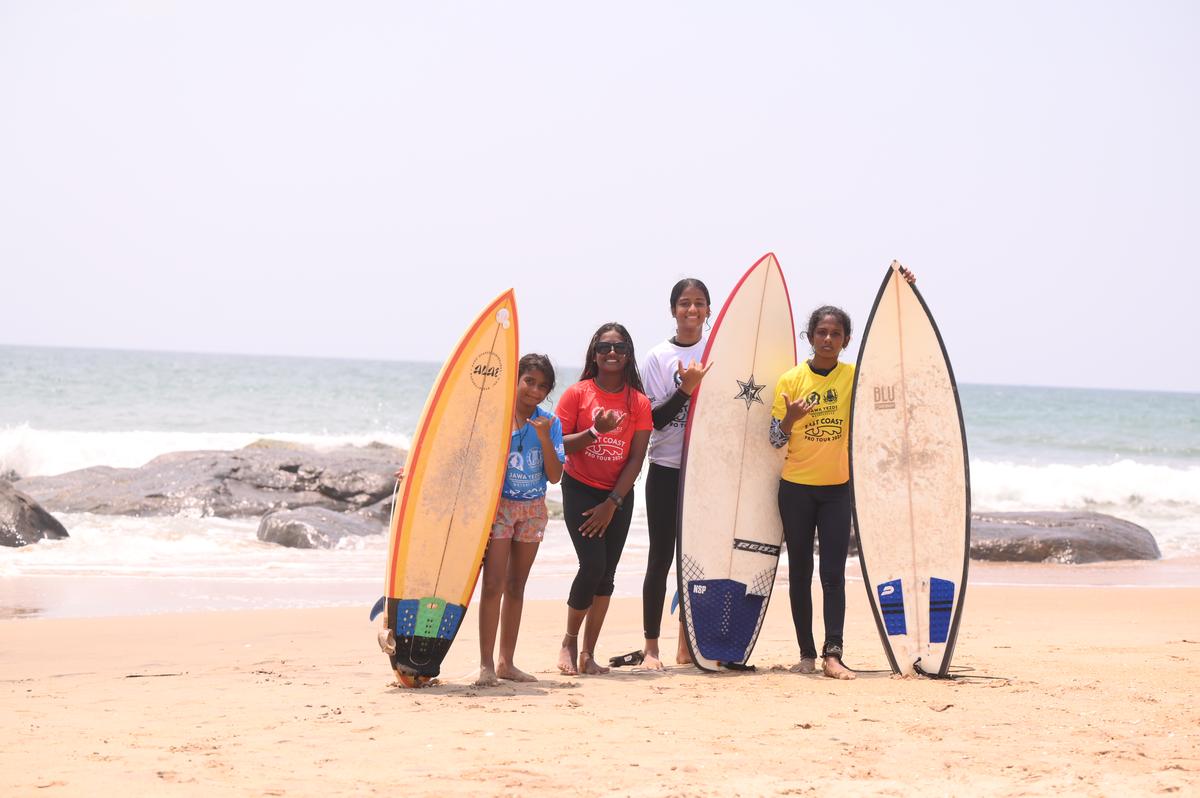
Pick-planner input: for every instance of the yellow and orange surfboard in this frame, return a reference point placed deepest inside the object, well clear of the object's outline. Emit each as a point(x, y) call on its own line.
point(445, 505)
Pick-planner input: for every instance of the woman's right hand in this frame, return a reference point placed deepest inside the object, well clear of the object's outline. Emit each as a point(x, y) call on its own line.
point(795, 411)
point(400, 474)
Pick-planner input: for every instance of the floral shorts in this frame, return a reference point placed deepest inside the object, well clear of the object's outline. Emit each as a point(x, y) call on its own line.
point(522, 521)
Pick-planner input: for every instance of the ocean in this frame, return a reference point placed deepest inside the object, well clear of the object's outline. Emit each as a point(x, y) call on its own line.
point(1133, 454)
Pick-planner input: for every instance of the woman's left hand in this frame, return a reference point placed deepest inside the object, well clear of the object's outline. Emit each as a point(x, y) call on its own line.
point(597, 519)
point(909, 275)
point(689, 378)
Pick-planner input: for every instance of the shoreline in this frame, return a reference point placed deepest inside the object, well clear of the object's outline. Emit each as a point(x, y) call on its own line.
point(60, 596)
point(1062, 690)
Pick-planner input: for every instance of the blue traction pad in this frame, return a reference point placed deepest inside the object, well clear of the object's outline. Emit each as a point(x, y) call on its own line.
point(406, 617)
point(450, 621)
point(941, 601)
point(724, 618)
point(891, 606)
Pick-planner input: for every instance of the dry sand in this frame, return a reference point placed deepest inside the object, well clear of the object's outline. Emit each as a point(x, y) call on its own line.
point(1078, 690)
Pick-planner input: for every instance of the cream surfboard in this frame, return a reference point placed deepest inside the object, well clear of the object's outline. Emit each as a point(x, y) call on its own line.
point(445, 505)
point(910, 481)
point(729, 529)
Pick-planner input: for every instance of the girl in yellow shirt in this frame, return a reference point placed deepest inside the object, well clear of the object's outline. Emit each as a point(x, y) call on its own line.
point(811, 416)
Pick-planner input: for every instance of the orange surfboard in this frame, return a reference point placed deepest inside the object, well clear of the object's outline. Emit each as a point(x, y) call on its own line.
point(452, 481)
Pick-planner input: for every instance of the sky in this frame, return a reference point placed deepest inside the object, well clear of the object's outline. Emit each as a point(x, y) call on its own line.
point(360, 179)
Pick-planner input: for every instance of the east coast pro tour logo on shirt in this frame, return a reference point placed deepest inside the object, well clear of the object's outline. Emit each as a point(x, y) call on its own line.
point(823, 427)
point(608, 446)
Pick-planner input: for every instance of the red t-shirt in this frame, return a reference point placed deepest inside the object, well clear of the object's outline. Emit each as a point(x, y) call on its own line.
point(600, 464)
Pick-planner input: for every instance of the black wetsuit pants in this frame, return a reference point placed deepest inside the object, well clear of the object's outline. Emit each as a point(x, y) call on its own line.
point(599, 555)
point(662, 516)
point(825, 509)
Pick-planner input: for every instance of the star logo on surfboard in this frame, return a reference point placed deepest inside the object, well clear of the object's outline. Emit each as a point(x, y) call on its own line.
point(750, 392)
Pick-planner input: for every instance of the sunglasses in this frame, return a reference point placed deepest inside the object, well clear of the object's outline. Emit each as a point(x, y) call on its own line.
point(604, 347)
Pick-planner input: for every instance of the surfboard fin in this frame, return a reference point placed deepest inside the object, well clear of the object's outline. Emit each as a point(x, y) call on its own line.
point(378, 608)
point(737, 666)
point(675, 602)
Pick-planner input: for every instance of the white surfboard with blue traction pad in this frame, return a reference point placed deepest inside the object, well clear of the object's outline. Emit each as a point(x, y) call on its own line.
point(730, 534)
point(910, 481)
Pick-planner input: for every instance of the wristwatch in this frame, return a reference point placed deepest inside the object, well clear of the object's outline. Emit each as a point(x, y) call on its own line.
point(616, 499)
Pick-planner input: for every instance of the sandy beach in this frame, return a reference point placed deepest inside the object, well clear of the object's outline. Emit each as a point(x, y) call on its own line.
point(1077, 689)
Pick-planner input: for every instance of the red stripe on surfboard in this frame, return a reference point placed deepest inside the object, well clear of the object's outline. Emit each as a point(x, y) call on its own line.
point(443, 378)
point(687, 428)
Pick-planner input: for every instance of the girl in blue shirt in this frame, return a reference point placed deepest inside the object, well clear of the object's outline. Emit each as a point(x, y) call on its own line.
point(535, 457)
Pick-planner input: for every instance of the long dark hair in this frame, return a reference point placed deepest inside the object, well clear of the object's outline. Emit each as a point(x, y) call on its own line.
point(590, 370)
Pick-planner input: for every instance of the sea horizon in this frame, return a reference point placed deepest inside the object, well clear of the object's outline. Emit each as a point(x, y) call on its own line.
point(1031, 448)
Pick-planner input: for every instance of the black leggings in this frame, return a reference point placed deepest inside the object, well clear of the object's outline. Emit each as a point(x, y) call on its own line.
point(827, 509)
point(662, 517)
point(598, 556)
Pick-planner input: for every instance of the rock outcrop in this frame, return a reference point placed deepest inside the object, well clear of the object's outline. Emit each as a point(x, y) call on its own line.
point(1062, 537)
point(248, 482)
point(23, 520)
point(313, 527)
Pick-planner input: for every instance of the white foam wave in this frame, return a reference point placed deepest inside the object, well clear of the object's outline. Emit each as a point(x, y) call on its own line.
point(37, 452)
point(1004, 486)
point(1164, 499)
point(194, 548)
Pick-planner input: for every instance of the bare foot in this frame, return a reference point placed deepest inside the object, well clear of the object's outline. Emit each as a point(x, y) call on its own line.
point(566, 657)
point(514, 674)
point(834, 669)
point(682, 655)
point(487, 677)
point(805, 665)
point(651, 659)
point(588, 666)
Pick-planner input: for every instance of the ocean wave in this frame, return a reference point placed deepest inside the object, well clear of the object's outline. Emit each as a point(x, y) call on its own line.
point(39, 452)
point(1125, 483)
point(1163, 499)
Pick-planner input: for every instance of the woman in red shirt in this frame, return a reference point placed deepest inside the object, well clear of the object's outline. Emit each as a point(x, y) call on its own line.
point(606, 427)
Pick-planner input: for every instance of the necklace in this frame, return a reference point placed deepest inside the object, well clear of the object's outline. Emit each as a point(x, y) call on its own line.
point(524, 428)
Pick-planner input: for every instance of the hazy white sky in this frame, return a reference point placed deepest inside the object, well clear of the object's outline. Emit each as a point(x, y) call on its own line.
point(359, 179)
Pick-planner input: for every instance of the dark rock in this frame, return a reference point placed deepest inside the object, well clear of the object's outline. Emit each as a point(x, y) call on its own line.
point(380, 512)
point(23, 520)
point(248, 482)
point(1061, 537)
point(313, 527)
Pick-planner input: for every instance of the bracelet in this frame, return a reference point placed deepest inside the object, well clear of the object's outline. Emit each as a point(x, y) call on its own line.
point(615, 499)
point(593, 432)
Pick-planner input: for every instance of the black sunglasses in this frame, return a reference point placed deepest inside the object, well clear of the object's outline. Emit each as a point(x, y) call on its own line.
point(604, 347)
